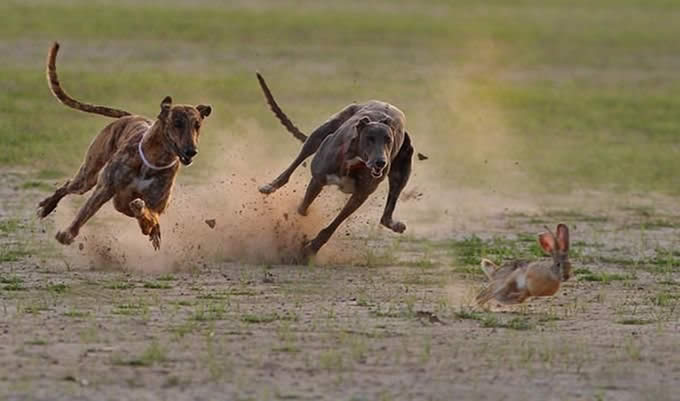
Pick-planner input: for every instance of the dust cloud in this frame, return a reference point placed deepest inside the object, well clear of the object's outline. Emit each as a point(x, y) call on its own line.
point(223, 217)
point(250, 227)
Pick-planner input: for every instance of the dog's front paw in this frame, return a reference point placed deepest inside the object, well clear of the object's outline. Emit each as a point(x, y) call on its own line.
point(137, 206)
point(155, 237)
point(65, 237)
point(267, 189)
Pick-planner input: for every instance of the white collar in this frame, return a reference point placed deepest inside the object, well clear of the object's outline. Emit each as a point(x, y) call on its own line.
point(144, 159)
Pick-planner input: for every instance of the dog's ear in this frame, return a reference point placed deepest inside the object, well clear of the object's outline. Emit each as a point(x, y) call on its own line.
point(205, 110)
point(363, 122)
point(166, 104)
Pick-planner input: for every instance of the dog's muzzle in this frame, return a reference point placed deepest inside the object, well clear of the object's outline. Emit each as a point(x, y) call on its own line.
point(186, 157)
point(377, 168)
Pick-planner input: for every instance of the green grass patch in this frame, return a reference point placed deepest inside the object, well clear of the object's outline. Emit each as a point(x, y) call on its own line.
point(119, 285)
point(12, 283)
point(491, 320)
point(268, 317)
point(39, 185)
point(13, 254)
point(36, 341)
point(76, 314)
point(57, 288)
point(286, 348)
point(470, 250)
point(574, 215)
point(9, 226)
point(36, 308)
point(469, 269)
point(157, 285)
point(665, 299)
point(130, 309)
point(209, 312)
point(153, 354)
point(605, 277)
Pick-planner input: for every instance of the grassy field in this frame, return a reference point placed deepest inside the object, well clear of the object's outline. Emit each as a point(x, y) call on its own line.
point(580, 94)
point(532, 112)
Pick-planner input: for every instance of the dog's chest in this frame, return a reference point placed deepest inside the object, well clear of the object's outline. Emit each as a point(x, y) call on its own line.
point(345, 183)
point(142, 184)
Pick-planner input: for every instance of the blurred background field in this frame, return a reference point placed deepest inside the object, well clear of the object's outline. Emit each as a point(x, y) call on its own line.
point(510, 95)
point(532, 112)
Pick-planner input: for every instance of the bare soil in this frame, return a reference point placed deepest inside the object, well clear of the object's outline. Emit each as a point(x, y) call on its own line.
point(393, 321)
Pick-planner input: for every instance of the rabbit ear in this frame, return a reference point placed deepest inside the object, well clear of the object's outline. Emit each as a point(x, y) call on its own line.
point(547, 242)
point(562, 237)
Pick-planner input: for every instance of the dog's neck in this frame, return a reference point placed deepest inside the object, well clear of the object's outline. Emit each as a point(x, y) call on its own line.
point(155, 149)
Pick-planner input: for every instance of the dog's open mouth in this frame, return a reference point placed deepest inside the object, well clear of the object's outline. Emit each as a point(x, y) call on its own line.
point(376, 172)
point(185, 160)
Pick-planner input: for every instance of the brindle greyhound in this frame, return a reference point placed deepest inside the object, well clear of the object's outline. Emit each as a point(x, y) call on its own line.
point(133, 160)
point(355, 149)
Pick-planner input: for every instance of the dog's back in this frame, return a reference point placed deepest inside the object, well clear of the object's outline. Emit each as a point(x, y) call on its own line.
point(123, 132)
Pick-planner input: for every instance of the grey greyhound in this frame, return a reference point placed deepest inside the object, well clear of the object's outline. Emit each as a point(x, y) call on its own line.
point(355, 150)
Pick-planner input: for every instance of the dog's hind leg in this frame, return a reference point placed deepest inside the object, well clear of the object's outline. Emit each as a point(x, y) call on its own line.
point(400, 171)
point(102, 194)
point(86, 177)
point(356, 200)
point(310, 146)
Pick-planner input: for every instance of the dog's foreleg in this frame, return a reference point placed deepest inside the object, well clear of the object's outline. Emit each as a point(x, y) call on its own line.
point(400, 171)
point(313, 190)
point(148, 221)
point(148, 212)
point(356, 200)
point(102, 194)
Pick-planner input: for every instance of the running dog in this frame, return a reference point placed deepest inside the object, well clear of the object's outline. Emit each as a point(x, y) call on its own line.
point(133, 160)
point(355, 149)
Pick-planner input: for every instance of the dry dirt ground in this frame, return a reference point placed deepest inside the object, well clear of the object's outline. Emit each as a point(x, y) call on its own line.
point(396, 321)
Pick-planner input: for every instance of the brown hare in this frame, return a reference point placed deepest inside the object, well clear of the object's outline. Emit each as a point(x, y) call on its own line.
point(515, 281)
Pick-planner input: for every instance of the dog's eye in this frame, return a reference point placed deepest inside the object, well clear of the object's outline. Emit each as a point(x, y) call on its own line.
point(197, 125)
point(179, 123)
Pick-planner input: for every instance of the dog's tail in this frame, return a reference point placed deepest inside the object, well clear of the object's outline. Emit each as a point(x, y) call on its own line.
point(64, 98)
point(278, 112)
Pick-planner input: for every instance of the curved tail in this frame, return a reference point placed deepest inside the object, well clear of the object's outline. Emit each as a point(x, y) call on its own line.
point(278, 112)
point(64, 98)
